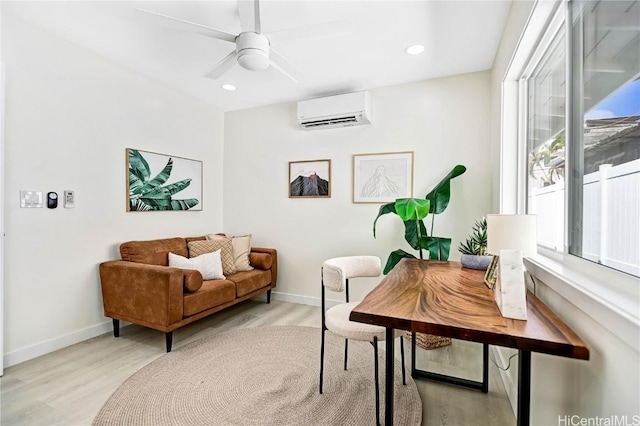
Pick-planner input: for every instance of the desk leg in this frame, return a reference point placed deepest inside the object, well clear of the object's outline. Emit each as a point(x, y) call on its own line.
point(524, 388)
point(388, 384)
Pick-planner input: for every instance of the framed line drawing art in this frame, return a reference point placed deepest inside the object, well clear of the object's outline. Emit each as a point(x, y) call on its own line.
point(382, 177)
point(159, 182)
point(310, 179)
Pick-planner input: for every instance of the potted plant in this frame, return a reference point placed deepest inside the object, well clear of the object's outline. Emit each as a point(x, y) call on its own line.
point(412, 211)
point(474, 249)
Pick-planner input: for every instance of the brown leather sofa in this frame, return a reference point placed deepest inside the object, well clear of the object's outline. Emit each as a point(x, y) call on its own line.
point(142, 289)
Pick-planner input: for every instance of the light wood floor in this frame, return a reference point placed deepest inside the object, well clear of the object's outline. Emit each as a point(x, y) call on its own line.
point(69, 386)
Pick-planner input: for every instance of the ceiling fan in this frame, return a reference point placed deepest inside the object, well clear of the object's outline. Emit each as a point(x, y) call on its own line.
point(253, 48)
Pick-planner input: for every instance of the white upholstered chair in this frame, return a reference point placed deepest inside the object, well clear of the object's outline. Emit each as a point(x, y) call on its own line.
point(336, 273)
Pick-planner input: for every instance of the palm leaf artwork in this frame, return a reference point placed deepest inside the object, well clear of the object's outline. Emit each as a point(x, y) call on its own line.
point(413, 211)
point(149, 194)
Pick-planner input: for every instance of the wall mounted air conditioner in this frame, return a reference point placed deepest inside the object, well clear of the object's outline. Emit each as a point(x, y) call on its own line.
point(349, 109)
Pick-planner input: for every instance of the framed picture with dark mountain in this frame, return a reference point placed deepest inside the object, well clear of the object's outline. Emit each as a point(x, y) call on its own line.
point(160, 182)
point(310, 179)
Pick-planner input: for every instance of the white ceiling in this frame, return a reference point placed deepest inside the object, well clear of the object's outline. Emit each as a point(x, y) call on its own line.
point(459, 37)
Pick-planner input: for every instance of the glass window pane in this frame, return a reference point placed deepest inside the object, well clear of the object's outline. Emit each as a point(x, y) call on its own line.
point(546, 144)
point(605, 191)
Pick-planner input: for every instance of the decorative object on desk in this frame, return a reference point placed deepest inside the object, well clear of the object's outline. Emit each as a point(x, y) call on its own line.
point(147, 193)
point(415, 231)
point(381, 178)
point(511, 237)
point(310, 179)
point(491, 274)
point(474, 249)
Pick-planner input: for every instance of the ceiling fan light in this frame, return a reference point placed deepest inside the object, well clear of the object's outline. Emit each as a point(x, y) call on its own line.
point(416, 49)
point(253, 59)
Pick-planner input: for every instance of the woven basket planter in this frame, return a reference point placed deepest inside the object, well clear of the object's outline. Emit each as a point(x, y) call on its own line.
point(428, 341)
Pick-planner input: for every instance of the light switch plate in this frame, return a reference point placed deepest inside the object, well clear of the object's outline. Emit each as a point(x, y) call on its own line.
point(30, 199)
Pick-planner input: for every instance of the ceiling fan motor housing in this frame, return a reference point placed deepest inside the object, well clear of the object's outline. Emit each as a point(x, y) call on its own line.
point(253, 51)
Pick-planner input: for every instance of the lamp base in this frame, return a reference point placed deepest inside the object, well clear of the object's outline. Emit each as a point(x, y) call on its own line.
point(510, 291)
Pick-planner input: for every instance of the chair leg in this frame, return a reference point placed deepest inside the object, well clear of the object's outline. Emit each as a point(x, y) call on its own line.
point(346, 352)
point(321, 359)
point(268, 296)
point(404, 375)
point(377, 382)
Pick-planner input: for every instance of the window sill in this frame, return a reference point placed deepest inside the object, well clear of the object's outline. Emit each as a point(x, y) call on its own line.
point(609, 297)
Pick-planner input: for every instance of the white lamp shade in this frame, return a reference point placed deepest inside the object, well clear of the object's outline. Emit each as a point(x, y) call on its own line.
point(511, 232)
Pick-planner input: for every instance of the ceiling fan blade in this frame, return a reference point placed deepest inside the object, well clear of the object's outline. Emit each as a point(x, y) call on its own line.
point(324, 30)
point(223, 66)
point(182, 25)
point(249, 11)
point(284, 66)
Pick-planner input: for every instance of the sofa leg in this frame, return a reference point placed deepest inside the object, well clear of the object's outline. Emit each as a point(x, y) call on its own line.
point(169, 338)
point(116, 327)
point(268, 296)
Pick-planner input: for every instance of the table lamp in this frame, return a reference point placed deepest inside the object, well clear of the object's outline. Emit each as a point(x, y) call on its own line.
point(510, 238)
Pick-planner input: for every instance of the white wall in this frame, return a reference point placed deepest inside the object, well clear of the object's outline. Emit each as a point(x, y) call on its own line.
point(609, 383)
point(69, 117)
point(443, 121)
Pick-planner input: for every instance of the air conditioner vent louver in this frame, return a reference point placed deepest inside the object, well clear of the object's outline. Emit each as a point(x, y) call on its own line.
point(351, 109)
point(329, 121)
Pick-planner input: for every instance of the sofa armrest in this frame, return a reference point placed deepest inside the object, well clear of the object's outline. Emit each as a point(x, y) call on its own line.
point(274, 261)
point(149, 293)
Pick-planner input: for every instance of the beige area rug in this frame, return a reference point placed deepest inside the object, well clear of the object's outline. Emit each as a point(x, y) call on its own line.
point(259, 376)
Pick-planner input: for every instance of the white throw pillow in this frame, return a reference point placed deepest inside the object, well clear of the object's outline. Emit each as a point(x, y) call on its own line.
point(208, 264)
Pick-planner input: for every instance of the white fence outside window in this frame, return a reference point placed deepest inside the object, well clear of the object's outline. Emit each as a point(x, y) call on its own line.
point(611, 216)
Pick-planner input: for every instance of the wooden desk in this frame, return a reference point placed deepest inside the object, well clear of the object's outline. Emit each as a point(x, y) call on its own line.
point(445, 299)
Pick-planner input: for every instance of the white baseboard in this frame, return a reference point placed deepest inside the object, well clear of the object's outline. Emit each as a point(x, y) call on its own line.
point(43, 348)
point(510, 385)
point(301, 300)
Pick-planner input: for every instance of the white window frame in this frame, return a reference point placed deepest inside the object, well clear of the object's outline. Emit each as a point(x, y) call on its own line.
point(610, 297)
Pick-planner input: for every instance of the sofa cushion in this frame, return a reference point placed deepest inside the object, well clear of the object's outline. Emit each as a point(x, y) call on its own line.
point(241, 246)
point(153, 252)
point(208, 264)
point(248, 281)
point(211, 294)
point(197, 248)
point(261, 260)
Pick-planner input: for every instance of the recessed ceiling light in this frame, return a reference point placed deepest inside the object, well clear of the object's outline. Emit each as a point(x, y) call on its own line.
point(416, 49)
point(229, 87)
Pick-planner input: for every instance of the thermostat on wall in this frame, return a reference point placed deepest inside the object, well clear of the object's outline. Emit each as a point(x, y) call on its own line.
point(69, 199)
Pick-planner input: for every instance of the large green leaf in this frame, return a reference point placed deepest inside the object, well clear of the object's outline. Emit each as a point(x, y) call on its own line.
point(138, 166)
point(135, 185)
point(168, 190)
point(161, 177)
point(414, 231)
point(412, 208)
point(438, 247)
point(440, 195)
point(394, 258)
point(384, 209)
